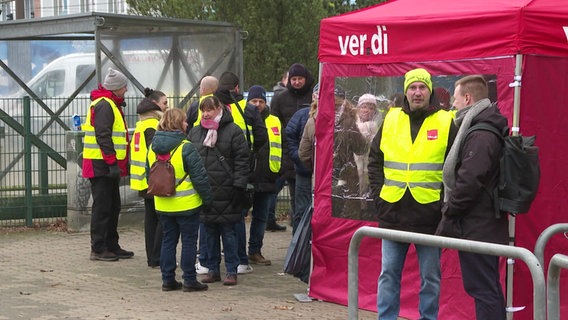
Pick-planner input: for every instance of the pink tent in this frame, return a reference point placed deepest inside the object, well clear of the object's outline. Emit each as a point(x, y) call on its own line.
point(523, 45)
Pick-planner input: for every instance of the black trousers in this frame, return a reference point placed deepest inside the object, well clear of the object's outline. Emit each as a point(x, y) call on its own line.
point(480, 276)
point(105, 211)
point(152, 233)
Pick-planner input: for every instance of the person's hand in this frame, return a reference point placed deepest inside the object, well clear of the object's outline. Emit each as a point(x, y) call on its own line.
point(238, 196)
point(114, 171)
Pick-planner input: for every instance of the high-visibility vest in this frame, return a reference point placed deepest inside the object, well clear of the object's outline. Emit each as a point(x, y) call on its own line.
point(186, 198)
point(138, 152)
point(198, 120)
point(91, 149)
point(416, 166)
point(274, 129)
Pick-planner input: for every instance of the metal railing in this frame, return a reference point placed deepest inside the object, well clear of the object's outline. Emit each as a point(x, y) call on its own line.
point(557, 262)
point(528, 257)
point(544, 237)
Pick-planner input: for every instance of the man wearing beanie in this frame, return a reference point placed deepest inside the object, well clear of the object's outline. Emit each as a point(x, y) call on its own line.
point(405, 179)
point(264, 176)
point(105, 160)
point(297, 95)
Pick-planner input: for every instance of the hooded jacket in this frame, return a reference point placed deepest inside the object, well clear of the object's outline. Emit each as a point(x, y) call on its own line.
point(406, 214)
point(283, 106)
point(102, 117)
point(164, 142)
point(470, 212)
point(232, 145)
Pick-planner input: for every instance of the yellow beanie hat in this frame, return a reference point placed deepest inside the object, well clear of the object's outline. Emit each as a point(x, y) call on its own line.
point(420, 75)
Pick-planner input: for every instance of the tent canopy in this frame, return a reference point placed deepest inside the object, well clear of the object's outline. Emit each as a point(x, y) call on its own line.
point(447, 30)
point(500, 39)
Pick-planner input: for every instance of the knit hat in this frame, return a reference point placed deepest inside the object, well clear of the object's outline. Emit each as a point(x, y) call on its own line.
point(297, 70)
point(256, 92)
point(228, 81)
point(417, 75)
point(367, 98)
point(114, 80)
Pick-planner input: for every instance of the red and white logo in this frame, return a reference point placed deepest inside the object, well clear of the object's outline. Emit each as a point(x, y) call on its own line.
point(275, 131)
point(432, 134)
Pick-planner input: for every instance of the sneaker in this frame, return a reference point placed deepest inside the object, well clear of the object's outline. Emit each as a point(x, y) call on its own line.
point(123, 254)
point(211, 277)
point(244, 268)
point(195, 286)
point(171, 286)
point(230, 279)
point(103, 256)
point(199, 269)
point(257, 258)
point(271, 225)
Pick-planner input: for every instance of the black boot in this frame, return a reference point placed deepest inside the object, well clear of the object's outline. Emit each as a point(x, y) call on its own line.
point(271, 225)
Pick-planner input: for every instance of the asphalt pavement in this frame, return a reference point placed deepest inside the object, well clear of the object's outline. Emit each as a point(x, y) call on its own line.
point(48, 275)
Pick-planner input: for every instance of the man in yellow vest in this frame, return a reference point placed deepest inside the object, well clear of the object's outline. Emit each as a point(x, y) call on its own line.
point(264, 177)
point(207, 87)
point(105, 160)
point(405, 178)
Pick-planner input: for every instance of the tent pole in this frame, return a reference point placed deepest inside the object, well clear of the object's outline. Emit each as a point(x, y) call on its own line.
point(515, 132)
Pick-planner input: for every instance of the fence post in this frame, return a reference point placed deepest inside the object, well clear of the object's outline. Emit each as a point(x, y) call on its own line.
point(28, 161)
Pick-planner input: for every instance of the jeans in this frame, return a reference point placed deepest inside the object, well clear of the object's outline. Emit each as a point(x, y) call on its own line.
point(303, 198)
point(388, 295)
point(202, 245)
point(279, 183)
point(105, 212)
point(213, 233)
point(258, 224)
point(480, 276)
point(173, 227)
point(152, 233)
point(241, 234)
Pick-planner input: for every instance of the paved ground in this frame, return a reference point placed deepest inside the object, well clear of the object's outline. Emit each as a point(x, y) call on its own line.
point(48, 275)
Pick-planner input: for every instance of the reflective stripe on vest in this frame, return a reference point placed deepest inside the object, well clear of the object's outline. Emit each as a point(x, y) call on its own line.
point(91, 149)
point(198, 120)
point(138, 153)
point(274, 130)
point(416, 166)
point(186, 198)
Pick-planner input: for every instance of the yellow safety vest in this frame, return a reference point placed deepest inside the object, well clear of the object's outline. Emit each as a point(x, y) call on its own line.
point(273, 127)
point(138, 152)
point(186, 198)
point(91, 149)
point(416, 166)
point(198, 120)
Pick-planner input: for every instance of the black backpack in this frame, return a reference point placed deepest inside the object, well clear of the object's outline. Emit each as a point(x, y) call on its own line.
point(519, 171)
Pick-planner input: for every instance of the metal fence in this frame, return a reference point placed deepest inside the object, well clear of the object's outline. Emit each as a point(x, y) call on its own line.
point(33, 164)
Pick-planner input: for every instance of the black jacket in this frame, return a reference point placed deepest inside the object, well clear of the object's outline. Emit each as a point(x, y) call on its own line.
point(406, 214)
point(283, 106)
point(470, 211)
point(231, 144)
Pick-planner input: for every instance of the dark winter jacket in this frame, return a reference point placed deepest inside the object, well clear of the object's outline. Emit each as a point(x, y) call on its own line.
point(263, 178)
point(294, 131)
point(232, 146)
point(283, 106)
point(102, 118)
point(166, 141)
point(406, 214)
point(470, 211)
